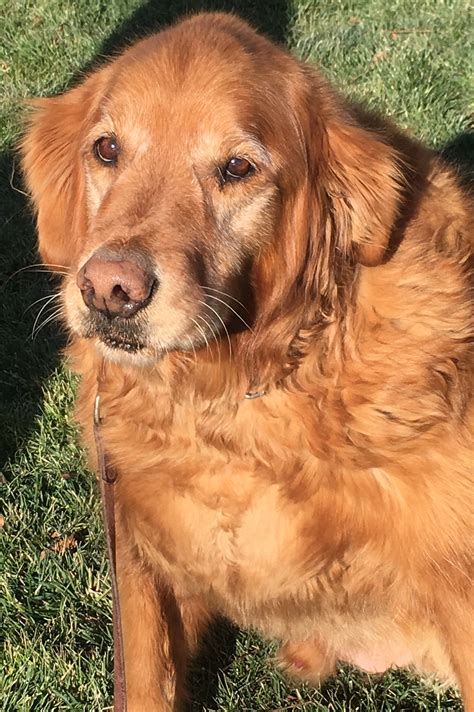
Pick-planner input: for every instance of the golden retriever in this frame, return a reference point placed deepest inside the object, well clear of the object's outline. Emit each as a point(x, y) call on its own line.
point(270, 288)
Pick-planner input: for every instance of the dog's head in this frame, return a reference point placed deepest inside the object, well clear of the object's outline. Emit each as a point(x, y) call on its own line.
point(204, 182)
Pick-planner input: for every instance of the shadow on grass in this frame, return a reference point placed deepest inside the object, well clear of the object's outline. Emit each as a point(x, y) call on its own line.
point(24, 363)
point(459, 153)
point(270, 17)
point(216, 655)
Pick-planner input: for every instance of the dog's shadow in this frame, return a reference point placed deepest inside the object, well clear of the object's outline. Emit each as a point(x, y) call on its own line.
point(215, 656)
point(24, 362)
point(271, 18)
point(459, 153)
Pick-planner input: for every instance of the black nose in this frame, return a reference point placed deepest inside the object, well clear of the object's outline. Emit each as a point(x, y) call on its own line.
point(115, 286)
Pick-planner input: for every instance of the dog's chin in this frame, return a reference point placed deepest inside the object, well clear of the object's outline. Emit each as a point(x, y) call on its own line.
point(139, 354)
point(127, 353)
point(134, 347)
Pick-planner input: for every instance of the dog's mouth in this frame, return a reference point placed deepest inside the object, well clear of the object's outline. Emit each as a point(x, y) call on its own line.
point(125, 337)
point(120, 344)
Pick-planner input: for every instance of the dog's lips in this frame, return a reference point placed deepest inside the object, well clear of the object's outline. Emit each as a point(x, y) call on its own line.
point(118, 335)
point(122, 344)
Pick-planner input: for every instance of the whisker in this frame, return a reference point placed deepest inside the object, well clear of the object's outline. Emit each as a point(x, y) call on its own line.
point(38, 317)
point(223, 324)
point(194, 350)
point(225, 294)
point(202, 332)
point(48, 265)
point(13, 187)
point(45, 265)
point(211, 296)
point(210, 326)
point(50, 318)
point(46, 305)
point(44, 269)
point(51, 297)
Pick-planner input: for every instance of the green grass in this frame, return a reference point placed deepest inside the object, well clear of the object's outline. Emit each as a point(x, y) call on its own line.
point(410, 60)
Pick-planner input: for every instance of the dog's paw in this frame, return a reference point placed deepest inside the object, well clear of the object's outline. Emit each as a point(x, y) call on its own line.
point(307, 660)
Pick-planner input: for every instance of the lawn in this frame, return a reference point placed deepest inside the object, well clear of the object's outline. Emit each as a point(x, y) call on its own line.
point(409, 59)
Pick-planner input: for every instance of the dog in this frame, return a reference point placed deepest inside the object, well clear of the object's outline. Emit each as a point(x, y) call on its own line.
point(270, 289)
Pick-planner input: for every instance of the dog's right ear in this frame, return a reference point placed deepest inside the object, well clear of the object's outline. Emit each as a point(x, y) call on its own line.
point(51, 151)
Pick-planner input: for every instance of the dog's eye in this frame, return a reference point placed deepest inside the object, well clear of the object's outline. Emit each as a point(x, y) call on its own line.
point(236, 169)
point(107, 149)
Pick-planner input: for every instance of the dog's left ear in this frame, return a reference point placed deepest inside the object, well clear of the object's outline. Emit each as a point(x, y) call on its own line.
point(364, 189)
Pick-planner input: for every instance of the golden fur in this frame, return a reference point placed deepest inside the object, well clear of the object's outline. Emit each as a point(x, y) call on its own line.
point(333, 512)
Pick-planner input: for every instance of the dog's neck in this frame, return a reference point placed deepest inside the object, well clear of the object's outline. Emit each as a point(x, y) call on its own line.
point(250, 366)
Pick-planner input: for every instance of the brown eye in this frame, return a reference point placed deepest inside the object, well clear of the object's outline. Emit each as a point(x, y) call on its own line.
point(237, 168)
point(107, 149)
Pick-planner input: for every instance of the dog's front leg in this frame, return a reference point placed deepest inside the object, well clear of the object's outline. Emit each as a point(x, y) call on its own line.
point(160, 633)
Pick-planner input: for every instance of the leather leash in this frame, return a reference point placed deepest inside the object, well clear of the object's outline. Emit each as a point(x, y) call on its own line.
point(107, 479)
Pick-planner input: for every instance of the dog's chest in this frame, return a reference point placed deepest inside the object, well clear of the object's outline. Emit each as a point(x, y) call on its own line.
point(227, 503)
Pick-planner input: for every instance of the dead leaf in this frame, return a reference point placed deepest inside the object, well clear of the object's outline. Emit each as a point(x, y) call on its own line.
point(64, 544)
point(379, 56)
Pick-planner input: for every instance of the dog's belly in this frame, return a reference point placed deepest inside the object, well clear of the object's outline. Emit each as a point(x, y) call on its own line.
point(378, 659)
